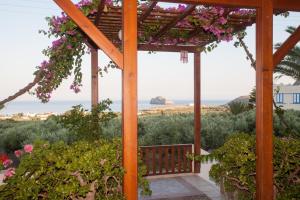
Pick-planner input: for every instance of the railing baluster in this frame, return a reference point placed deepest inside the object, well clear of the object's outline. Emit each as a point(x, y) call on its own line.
point(167, 159)
point(153, 160)
point(190, 161)
point(179, 159)
point(147, 159)
point(173, 159)
point(160, 159)
point(184, 159)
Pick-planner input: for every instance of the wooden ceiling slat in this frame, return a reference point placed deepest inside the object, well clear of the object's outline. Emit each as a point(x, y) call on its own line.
point(162, 31)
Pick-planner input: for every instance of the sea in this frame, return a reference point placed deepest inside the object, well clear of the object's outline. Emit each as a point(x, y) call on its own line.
point(58, 107)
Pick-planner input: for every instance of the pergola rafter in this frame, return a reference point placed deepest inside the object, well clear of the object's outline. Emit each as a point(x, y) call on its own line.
point(105, 35)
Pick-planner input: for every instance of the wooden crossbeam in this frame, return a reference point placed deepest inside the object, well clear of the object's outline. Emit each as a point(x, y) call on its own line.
point(287, 5)
point(100, 11)
point(225, 3)
point(168, 48)
point(286, 47)
point(147, 12)
point(167, 27)
point(282, 5)
point(91, 31)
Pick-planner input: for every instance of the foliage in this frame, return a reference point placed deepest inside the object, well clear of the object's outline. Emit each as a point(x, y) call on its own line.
point(237, 107)
point(152, 129)
point(87, 125)
point(15, 134)
point(166, 129)
point(82, 170)
point(236, 166)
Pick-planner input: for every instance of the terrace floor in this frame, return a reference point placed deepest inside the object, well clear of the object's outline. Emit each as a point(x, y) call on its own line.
point(182, 187)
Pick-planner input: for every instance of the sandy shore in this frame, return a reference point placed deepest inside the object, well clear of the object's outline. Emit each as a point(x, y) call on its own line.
point(172, 109)
point(165, 109)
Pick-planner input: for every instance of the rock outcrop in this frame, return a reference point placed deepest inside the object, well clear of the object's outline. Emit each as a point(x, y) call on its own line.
point(160, 101)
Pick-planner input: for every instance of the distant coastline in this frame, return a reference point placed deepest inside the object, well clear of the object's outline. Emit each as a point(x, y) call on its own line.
point(59, 107)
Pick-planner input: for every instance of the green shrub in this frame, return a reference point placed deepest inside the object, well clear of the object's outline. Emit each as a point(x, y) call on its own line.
point(87, 125)
point(236, 167)
point(60, 171)
point(237, 107)
point(166, 129)
point(152, 129)
point(15, 134)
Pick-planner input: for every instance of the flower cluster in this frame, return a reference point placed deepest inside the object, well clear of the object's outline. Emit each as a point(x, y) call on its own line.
point(65, 53)
point(7, 163)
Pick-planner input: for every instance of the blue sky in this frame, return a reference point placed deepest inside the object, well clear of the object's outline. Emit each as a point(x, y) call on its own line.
point(226, 73)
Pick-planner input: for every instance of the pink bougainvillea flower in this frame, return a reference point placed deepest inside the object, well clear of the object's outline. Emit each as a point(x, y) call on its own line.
point(7, 162)
point(28, 148)
point(9, 172)
point(18, 153)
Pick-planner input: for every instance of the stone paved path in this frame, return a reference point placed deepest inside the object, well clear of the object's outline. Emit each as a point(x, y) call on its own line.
point(188, 187)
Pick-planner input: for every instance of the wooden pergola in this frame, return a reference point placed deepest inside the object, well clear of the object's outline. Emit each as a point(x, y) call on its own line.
point(102, 29)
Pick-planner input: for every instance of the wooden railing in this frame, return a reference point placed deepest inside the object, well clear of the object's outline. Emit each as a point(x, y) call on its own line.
point(167, 159)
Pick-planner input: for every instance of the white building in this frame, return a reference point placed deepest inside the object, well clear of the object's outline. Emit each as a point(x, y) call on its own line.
point(287, 96)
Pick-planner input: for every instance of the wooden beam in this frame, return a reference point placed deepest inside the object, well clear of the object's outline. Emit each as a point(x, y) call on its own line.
point(197, 109)
point(286, 47)
point(147, 12)
point(95, 76)
point(168, 48)
point(279, 5)
point(264, 101)
point(129, 97)
point(100, 11)
point(91, 31)
point(167, 27)
point(287, 5)
point(225, 3)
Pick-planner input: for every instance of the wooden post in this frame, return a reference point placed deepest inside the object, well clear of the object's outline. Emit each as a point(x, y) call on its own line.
point(94, 73)
point(197, 108)
point(264, 98)
point(129, 95)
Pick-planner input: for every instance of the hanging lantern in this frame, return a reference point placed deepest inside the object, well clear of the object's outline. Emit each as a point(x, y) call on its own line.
point(105, 9)
point(184, 57)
